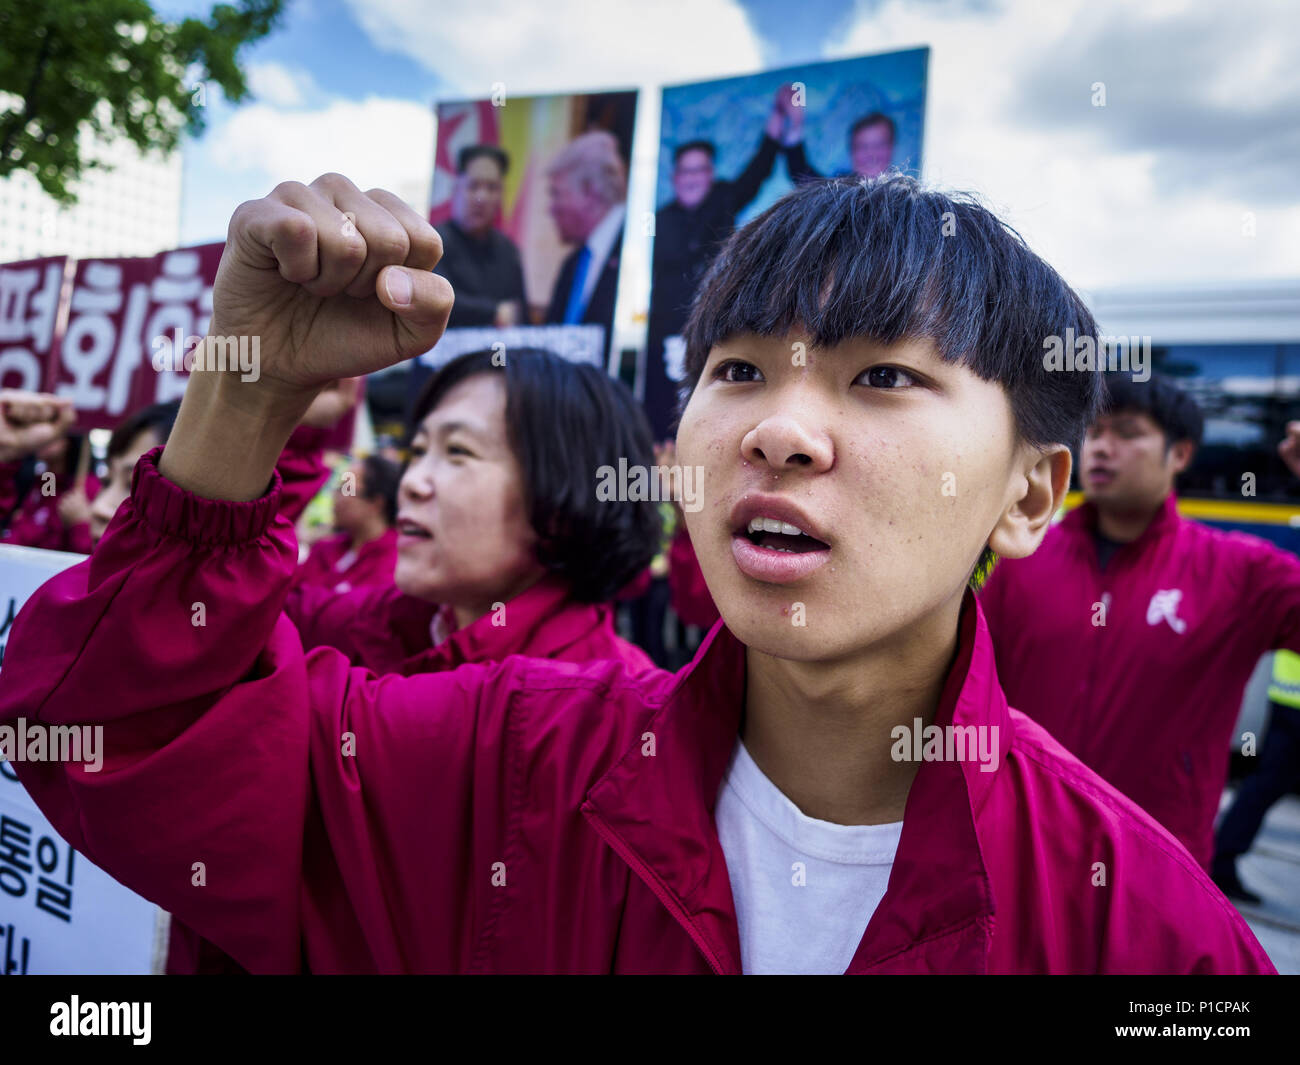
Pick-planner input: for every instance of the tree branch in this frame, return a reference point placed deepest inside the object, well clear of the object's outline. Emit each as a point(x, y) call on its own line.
point(16, 124)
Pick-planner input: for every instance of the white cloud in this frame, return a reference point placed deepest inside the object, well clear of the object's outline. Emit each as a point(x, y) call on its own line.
point(565, 45)
point(1106, 203)
point(1102, 215)
point(279, 85)
point(377, 142)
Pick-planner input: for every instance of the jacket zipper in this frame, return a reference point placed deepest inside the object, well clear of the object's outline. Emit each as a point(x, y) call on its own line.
point(650, 880)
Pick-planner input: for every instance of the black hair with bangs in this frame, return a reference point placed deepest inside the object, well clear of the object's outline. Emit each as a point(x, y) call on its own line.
point(888, 259)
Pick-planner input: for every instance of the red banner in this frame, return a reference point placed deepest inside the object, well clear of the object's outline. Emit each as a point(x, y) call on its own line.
point(32, 295)
point(112, 334)
point(125, 317)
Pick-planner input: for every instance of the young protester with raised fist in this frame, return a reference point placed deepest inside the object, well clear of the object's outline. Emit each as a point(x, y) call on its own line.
point(835, 783)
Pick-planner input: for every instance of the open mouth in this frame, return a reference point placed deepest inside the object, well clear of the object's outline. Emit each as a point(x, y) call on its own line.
point(409, 528)
point(781, 536)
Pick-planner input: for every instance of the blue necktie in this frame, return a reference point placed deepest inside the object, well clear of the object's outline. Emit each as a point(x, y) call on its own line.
point(573, 312)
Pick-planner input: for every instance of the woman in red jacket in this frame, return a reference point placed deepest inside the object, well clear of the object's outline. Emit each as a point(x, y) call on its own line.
point(835, 784)
point(363, 549)
point(502, 547)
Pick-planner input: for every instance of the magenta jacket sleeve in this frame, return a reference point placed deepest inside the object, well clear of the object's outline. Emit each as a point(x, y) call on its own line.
point(302, 470)
point(324, 617)
point(1271, 598)
point(278, 803)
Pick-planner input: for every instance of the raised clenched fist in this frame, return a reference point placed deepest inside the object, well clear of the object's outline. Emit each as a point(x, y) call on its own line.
point(330, 282)
point(30, 420)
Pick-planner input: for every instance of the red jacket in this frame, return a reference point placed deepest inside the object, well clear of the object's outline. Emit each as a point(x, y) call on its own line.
point(372, 565)
point(302, 470)
point(34, 520)
point(303, 473)
point(1150, 698)
point(527, 815)
point(690, 596)
point(388, 632)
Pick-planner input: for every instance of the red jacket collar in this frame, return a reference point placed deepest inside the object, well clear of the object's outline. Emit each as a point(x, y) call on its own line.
point(541, 621)
point(657, 812)
point(1083, 518)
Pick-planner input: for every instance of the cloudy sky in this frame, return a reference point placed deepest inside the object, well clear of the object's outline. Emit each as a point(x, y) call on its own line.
point(1198, 143)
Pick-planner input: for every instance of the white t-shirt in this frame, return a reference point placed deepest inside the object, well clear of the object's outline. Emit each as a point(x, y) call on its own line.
point(804, 889)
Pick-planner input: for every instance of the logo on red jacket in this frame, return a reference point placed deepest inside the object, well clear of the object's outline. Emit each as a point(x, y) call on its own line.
point(1164, 607)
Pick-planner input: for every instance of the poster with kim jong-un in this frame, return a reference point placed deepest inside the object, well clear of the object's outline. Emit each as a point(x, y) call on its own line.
point(529, 197)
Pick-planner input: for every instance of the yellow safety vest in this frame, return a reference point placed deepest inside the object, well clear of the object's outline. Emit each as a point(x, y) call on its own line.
point(1285, 688)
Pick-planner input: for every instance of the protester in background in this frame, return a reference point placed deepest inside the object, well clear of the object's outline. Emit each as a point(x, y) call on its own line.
point(503, 546)
point(365, 549)
point(139, 432)
point(871, 146)
point(301, 467)
point(43, 493)
point(1277, 774)
point(689, 593)
point(480, 261)
point(1131, 633)
point(539, 816)
point(587, 187)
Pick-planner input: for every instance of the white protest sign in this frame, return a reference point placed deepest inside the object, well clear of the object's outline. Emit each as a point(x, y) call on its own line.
point(577, 343)
point(58, 912)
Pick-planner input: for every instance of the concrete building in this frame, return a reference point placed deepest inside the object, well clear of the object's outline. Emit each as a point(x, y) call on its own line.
point(132, 209)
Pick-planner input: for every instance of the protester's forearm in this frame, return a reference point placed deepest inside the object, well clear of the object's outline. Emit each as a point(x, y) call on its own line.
point(229, 435)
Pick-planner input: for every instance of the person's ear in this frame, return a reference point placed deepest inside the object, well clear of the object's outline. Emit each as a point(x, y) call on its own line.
point(1037, 494)
point(1181, 455)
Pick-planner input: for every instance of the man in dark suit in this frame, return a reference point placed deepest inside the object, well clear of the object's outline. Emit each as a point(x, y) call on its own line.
point(688, 232)
point(480, 261)
point(588, 189)
point(701, 216)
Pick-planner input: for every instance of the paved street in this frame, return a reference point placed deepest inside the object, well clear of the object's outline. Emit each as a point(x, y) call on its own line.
point(1272, 869)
